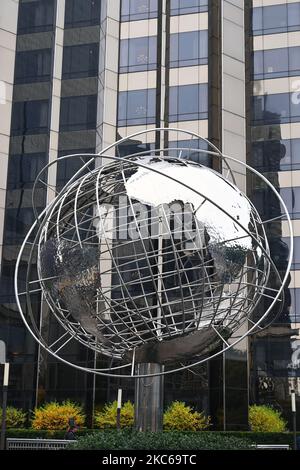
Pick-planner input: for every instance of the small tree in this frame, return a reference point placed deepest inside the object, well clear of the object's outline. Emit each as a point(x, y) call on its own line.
point(264, 418)
point(15, 418)
point(55, 416)
point(180, 417)
point(107, 418)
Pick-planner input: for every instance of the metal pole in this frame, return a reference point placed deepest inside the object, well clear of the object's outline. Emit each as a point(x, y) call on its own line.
point(119, 405)
point(148, 403)
point(4, 404)
point(294, 416)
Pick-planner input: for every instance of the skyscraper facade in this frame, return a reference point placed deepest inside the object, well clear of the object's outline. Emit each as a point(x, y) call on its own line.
point(76, 76)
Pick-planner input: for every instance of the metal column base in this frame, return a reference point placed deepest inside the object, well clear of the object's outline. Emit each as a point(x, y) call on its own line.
point(149, 398)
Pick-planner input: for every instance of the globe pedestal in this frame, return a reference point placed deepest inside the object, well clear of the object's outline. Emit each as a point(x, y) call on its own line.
point(149, 398)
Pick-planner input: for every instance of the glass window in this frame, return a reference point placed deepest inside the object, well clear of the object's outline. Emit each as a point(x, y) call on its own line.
point(78, 113)
point(17, 224)
point(188, 49)
point(186, 149)
point(137, 55)
point(293, 16)
point(137, 107)
point(36, 16)
point(33, 66)
point(188, 102)
point(276, 18)
point(291, 197)
point(80, 61)
point(276, 63)
point(182, 7)
point(30, 117)
point(68, 167)
point(82, 13)
point(138, 10)
point(294, 60)
point(296, 254)
point(23, 169)
point(270, 109)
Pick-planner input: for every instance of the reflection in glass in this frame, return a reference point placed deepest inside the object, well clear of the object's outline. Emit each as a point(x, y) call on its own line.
point(187, 49)
point(33, 66)
point(36, 16)
point(277, 108)
point(137, 107)
point(188, 102)
point(182, 7)
point(78, 113)
point(276, 18)
point(80, 61)
point(138, 10)
point(82, 13)
point(138, 54)
point(30, 117)
point(275, 63)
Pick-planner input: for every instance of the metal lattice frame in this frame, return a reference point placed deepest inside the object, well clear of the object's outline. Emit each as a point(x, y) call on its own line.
point(158, 312)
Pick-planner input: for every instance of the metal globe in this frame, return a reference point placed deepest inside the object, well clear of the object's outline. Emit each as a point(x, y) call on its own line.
point(153, 257)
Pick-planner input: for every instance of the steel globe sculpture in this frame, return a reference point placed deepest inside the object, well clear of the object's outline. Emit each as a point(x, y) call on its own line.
point(150, 258)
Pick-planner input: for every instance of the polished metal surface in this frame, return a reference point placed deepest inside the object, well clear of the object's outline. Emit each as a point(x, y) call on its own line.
point(150, 258)
point(148, 403)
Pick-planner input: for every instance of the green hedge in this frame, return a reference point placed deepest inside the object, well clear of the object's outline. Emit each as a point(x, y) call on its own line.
point(170, 440)
point(215, 437)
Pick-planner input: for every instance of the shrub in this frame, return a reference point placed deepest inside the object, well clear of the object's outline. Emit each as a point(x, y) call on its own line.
point(108, 417)
point(15, 418)
point(54, 415)
point(173, 440)
point(263, 418)
point(180, 417)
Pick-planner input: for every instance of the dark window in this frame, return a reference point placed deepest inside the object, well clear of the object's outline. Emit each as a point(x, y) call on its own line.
point(191, 150)
point(276, 19)
point(138, 10)
point(82, 13)
point(17, 224)
point(23, 170)
point(36, 16)
point(276, 63)
point(30, 117)
point(182, 7)
point(277, 108)
point(275, 155)
point(80, 61)
point(66, 168)
point(33, 66)
point(138, 54)
point(137, 107)
point(188, 49)
point(78, 113)
point(188, 103)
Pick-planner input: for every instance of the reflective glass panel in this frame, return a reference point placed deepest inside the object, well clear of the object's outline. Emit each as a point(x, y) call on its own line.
point(33, 66)
point(138, 10)
point(182, 7)
point(138, 54)
point(23, 170)
point(30, 117)
point(36, 16)
point(188, 102)
point(82, 13)
point(276, 18)
point(187, 49)
point(78, 113)
point(137, 107)
point(80, 61)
